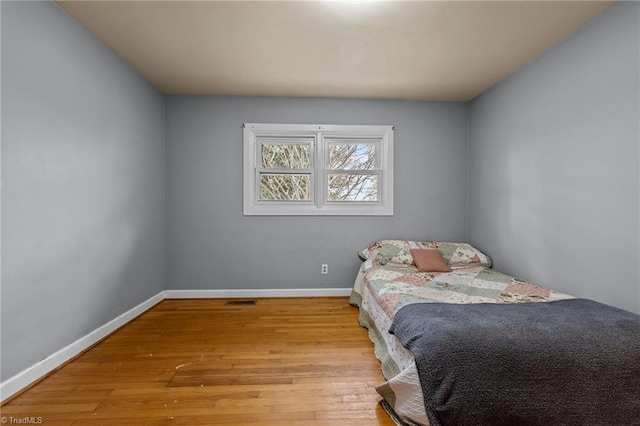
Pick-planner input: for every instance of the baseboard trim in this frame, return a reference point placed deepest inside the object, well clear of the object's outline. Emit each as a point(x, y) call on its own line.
point(30, 375)
point(222, 294)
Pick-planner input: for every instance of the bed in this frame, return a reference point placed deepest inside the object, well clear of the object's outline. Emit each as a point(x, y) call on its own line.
point(389, 284)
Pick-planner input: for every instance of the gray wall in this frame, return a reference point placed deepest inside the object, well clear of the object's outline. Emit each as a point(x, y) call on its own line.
point(83, 184)
point(212, 246)
point(553, 172)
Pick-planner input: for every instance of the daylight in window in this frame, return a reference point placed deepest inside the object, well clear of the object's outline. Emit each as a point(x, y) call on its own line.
point(318, 169)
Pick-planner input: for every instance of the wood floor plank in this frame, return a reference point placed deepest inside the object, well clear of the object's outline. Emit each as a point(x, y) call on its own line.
point(298, 361)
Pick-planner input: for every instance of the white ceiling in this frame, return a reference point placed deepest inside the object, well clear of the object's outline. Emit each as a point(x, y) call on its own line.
point(420, 50)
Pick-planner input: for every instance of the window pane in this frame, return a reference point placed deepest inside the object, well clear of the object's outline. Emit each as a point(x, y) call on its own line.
point(352, 157)
point(286, 156)
point(344, 187)
point(285, 187)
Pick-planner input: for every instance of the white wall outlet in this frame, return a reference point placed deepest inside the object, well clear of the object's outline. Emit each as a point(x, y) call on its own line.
point(324, 269)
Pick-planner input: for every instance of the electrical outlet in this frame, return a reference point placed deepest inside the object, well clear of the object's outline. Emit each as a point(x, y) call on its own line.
point(324, 269)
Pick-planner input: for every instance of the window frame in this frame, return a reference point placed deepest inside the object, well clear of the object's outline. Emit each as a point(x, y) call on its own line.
point(260, 169)
point(377, 170)
point(321, 137)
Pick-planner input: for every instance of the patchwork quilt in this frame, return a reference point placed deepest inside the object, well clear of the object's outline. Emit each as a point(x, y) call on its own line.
point(388, 280)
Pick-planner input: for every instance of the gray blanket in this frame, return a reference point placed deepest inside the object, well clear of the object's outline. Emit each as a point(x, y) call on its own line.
point(568, 362)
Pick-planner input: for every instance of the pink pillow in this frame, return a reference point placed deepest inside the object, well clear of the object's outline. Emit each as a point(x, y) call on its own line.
point(429, 260)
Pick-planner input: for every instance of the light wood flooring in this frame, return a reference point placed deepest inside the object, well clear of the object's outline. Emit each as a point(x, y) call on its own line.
point(283, 361)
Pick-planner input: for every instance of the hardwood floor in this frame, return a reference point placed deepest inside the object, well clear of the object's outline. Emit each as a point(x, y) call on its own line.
point(283, 361)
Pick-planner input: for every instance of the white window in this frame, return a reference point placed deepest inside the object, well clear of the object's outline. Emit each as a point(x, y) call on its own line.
point(310, 169)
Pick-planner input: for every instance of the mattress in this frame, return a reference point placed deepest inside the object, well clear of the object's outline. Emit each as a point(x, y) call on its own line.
point(381, 291)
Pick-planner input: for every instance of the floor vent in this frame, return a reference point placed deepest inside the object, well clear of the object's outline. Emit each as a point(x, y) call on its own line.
point(241, 302)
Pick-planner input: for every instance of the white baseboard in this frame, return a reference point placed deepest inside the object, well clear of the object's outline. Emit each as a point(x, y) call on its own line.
point(23, 379)
point(28, 376)
point(246, 293)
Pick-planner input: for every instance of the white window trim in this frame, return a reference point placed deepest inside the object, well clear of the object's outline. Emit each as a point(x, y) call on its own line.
point(319, 206)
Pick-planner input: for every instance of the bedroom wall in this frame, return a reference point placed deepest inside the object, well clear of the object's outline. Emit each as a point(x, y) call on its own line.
point(83, 184)
point(553, 170)
point(211, 245)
